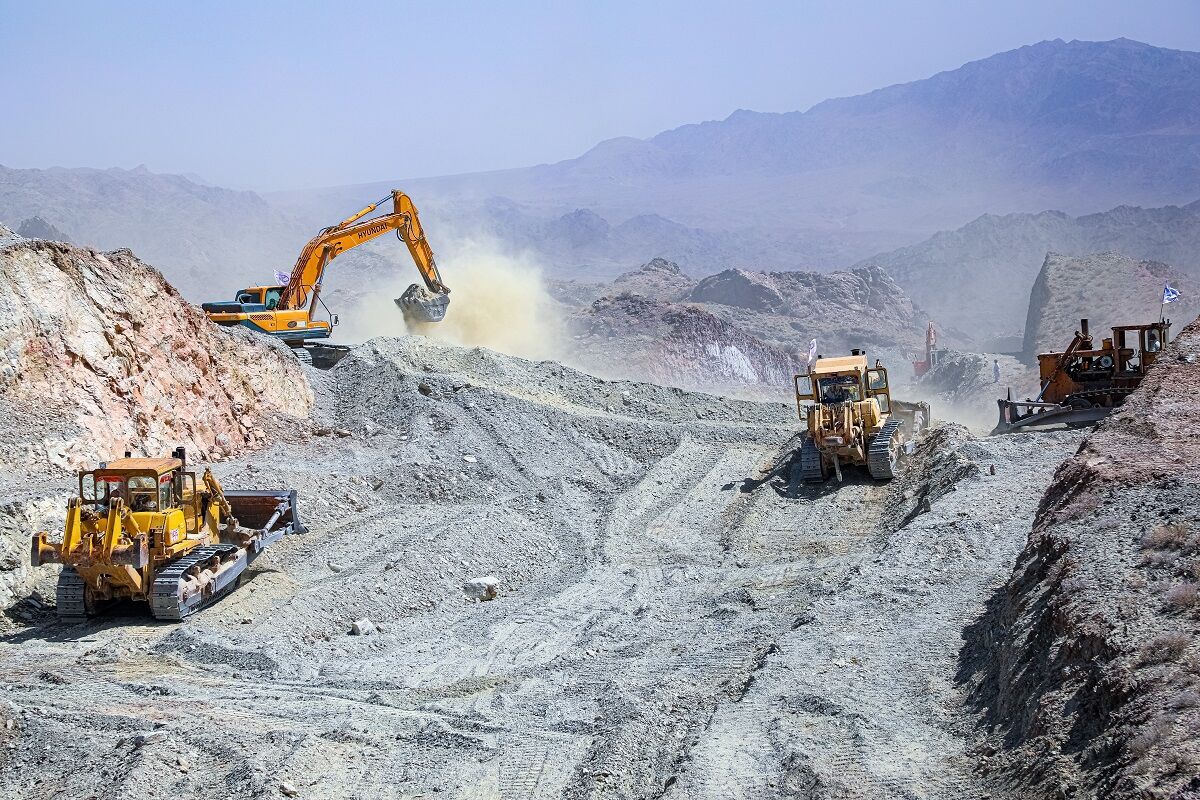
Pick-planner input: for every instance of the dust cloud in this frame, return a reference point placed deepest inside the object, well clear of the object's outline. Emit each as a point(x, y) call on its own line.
point(497, 301)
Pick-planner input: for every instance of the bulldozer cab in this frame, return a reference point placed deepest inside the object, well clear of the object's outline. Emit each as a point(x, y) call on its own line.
point(834, 381)
point(143, 484)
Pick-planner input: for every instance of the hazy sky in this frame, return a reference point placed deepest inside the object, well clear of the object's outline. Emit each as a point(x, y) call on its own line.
point(268, 95)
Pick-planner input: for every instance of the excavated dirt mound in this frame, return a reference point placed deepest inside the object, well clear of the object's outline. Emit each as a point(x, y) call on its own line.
point(1086, 667)
point(98, 354)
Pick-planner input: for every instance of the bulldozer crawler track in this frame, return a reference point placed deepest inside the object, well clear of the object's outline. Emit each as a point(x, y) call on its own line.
point(879, 452)
point(166, 602)
point(810, 462)
point(71, 596)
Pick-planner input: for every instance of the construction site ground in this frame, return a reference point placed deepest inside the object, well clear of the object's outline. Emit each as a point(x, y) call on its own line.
point(676, 616)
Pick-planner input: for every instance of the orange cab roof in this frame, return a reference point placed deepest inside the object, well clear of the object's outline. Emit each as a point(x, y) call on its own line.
point(825, 366)
point(156, 465)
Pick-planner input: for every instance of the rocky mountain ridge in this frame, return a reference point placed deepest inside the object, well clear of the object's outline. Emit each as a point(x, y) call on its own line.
point(978, 278)
point(1107, 289)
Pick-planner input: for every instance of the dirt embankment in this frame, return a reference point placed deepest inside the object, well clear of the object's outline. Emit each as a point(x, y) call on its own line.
point(1086, 667)
point(98, 354)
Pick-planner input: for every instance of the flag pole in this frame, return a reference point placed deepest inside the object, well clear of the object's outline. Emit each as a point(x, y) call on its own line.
point(1162, 307)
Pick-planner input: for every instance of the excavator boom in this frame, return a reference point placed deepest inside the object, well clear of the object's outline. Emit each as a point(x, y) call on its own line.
point(304, 284)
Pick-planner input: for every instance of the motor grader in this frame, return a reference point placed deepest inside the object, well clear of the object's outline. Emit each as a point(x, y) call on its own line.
point(852, 419)
point(149, 530)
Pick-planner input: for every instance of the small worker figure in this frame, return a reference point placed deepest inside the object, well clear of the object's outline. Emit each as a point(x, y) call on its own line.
point(995, 370)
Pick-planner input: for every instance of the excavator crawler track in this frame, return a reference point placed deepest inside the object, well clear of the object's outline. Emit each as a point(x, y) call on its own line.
point(71, 596)
point(882, 460)
point(167, 601)
point(811, 469)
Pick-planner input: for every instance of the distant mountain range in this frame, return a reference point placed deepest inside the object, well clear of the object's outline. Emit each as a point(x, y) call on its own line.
point(1074, 126)
point(203, 238)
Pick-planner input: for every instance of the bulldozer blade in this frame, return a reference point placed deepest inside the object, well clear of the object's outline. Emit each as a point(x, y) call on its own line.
point(422, 305)
point(256, 509)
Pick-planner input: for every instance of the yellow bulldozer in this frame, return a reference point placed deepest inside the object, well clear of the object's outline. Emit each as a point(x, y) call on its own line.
point(147, 529)
point(853, 420)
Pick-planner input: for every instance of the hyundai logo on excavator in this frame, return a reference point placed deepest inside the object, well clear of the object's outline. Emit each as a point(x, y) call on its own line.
point(371, 231)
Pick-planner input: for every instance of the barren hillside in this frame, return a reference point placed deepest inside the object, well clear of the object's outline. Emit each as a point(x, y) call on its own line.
point(1105, 288)
point(1085, 667)
point(101, 354)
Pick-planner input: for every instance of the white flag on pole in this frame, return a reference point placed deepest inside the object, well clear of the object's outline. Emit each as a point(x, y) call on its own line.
point(812, 353)
point(282, 277)
point(1170, 295)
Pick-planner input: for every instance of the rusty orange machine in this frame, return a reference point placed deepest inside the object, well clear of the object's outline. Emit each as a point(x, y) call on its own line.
point(1084, 383)
point(147, 529)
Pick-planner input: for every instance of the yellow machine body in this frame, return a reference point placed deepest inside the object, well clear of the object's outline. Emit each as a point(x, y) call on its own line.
point(851, 419)
point(146, 529)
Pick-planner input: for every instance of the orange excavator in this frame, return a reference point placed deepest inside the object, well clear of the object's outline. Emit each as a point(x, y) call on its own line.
point(288, 311)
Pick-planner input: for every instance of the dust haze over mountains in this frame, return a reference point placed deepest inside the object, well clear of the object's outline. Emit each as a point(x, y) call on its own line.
point(1038, 135)
point(595, 434)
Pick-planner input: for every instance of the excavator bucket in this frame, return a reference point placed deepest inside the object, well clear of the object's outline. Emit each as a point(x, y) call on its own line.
point(421, 305)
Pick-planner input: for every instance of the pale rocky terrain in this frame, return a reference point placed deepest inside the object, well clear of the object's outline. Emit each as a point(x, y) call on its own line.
point(737, 331)
point(676, 615)
point(1107, 289)
point(978, 278)
point(1085, 668)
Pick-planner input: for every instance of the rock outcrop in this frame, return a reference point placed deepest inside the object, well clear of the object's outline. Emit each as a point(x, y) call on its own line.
point(657, 278)
point(859, 308)
point(1086, 668)
point(38, 228)
point(632, 336)
point(977, 278)
point(1106, 288)
point(99, 354)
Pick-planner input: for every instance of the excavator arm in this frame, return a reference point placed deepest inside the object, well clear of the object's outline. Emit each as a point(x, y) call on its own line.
point(304, 284)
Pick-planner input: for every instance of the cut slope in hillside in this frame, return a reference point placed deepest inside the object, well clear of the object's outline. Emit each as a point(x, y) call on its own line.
point(1087, 666)
point(101, 354)
point(1105, 288)
point(637, 337)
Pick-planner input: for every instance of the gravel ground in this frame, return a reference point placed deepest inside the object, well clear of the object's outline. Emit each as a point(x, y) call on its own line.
point(676, 617)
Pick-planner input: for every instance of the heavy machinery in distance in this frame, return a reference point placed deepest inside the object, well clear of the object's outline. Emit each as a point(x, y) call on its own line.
point(1083, 384)
point(288, 312)
point(853, 420)
point(931, 353)
point(146, 529)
